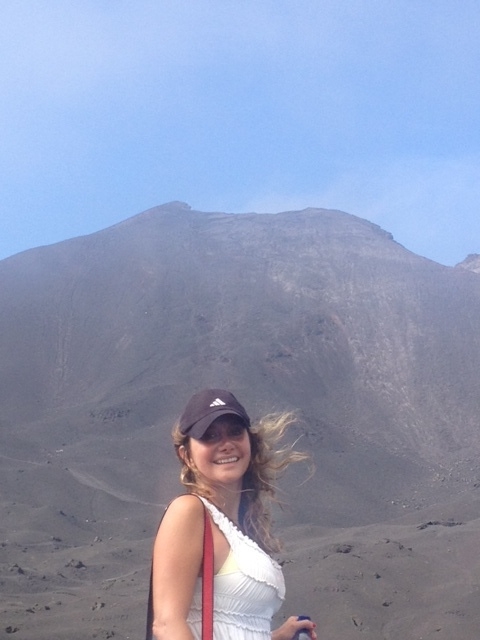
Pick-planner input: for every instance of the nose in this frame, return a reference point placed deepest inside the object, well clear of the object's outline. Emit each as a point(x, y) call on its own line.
point(225, 437)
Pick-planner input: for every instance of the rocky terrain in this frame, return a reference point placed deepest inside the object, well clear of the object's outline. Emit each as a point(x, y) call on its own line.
point(104, 338)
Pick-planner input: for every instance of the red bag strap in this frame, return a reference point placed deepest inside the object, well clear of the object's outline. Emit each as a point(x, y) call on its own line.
point(207, 585)
point(207, 580)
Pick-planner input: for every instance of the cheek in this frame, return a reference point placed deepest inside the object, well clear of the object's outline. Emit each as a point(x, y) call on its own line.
point(198, 454)
point(248, 448)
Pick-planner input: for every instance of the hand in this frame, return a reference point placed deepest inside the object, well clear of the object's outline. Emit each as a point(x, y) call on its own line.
point(290, 627)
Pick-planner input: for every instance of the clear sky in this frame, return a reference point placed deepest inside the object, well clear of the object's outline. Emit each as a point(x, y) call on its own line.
point(110, 107)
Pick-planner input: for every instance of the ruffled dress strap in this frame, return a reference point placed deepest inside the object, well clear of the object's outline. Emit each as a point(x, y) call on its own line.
point(250, 558)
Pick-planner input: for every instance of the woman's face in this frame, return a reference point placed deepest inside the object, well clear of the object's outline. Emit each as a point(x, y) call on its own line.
point(223, 454)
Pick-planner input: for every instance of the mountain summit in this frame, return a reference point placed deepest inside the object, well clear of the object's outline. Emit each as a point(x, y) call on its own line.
point(104, 338)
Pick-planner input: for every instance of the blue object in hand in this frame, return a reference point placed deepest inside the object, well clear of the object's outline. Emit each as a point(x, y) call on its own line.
point(302, 634)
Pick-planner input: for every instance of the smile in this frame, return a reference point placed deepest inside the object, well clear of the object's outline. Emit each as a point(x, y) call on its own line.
point(226, 460)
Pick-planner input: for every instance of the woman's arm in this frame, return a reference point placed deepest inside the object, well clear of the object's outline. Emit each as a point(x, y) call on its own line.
point(291, 626)
point(177, 559)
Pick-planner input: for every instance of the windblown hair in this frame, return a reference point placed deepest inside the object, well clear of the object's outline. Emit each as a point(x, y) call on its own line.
point(259, 489)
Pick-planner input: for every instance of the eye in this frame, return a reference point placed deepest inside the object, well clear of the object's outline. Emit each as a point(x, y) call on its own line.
point(236, 430)
point(215, 433)
point(210, 435)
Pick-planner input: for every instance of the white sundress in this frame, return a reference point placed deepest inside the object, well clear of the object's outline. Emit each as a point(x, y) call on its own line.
point(246, 598)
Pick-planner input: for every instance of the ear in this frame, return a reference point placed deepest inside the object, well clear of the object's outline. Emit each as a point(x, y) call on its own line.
point(183, 453)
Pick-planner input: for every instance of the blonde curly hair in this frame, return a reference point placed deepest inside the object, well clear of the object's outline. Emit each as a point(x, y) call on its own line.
point(259, 488)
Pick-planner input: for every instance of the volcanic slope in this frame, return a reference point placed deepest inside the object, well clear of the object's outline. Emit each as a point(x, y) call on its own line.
point(105, 337)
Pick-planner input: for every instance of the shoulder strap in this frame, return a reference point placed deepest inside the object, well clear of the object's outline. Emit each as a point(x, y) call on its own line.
point(207, 580)
point(207, 585)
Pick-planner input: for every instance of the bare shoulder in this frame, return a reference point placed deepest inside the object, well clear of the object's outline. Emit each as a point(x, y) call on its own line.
point(186, 505)
point(178, 550)
point(184, 511)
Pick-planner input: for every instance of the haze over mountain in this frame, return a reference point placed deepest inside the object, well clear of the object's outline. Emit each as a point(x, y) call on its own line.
point(105, 337)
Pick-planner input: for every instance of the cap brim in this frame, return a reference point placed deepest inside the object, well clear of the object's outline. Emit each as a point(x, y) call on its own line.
point(199, 428)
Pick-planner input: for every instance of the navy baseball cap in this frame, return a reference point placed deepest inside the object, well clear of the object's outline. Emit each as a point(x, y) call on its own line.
point(205, 407)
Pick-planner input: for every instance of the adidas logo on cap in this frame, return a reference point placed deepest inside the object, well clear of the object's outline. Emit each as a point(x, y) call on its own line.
point(217, 403)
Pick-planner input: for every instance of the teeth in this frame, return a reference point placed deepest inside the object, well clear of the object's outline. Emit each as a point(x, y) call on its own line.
point(226, 460)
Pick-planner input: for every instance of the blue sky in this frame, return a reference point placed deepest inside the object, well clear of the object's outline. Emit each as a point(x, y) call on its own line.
point(372, 107)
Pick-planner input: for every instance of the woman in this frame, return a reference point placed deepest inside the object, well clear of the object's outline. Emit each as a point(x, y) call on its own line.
point(228, 468)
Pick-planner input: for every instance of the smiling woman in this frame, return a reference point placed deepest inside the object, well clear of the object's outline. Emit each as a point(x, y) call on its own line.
point(229, 468)
point(222, 455)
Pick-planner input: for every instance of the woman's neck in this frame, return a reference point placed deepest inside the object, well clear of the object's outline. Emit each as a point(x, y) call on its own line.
point(227, 501)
